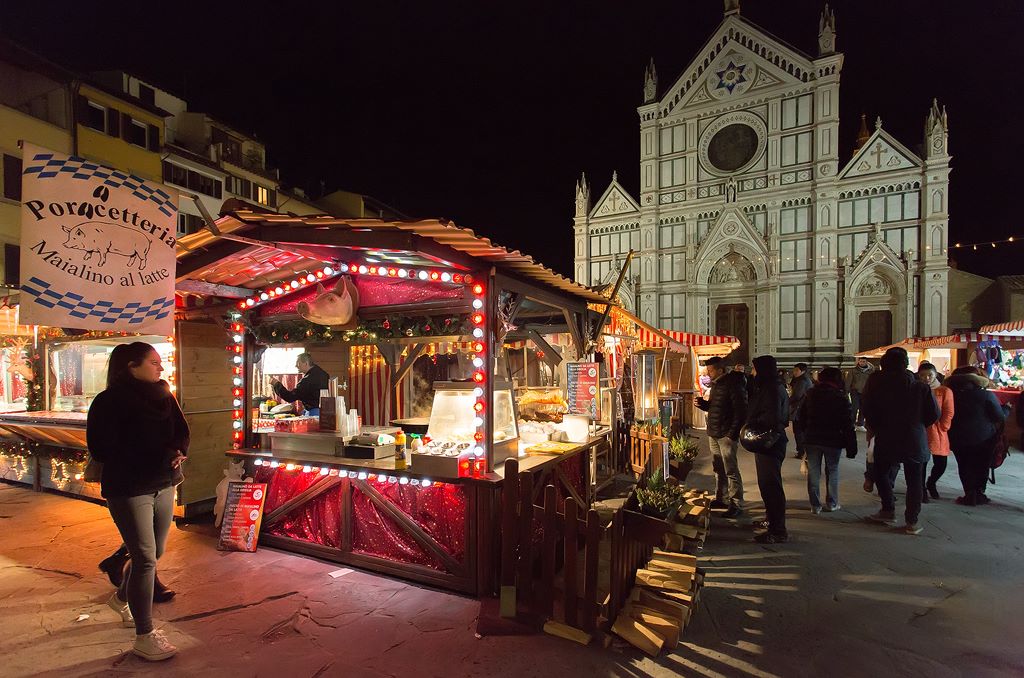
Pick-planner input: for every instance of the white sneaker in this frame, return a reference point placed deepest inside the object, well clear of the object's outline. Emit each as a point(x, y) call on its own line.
point(830, 508)
point(154, 646)
point(860, 429)
point(127, 620)
point(913, 529)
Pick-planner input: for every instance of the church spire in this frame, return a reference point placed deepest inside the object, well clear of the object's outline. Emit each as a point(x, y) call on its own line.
point(936, 131)
point(582, 195)
point(862, 134)
point(650, 83)
point(827, 32)
point(732, 7)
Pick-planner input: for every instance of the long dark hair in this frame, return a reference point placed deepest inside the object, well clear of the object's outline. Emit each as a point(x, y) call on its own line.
point(123, 357)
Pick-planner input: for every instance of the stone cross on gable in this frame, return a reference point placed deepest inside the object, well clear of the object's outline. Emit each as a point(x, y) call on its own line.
point(878, 152)
point(613, 200)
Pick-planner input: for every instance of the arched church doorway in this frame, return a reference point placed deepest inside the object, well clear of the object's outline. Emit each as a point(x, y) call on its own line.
point(875, 329)
point(734, 320)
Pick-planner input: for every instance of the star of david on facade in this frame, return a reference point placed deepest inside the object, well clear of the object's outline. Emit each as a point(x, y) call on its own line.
point(731, 76)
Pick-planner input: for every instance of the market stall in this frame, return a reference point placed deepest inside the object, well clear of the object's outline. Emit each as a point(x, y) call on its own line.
point(408, 320)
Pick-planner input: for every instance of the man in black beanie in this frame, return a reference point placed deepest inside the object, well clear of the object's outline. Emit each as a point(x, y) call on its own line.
point(898, 409)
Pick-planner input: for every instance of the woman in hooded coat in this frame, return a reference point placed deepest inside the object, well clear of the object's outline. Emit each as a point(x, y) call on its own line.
point(768, 410)
point(977, 422)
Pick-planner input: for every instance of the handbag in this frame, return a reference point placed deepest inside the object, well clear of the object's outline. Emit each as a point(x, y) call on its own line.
point(93, 471)
point(758, 440)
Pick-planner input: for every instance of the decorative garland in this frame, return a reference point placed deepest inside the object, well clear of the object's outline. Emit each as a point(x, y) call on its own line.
point(369, 330)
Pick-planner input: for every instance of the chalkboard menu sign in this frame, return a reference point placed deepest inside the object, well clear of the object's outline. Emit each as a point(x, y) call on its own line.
point(243, 512)
point(582, 389)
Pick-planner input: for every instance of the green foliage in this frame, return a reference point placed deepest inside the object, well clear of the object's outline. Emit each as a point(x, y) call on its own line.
point(658, 497)
point(683, 448)
point(278, 332)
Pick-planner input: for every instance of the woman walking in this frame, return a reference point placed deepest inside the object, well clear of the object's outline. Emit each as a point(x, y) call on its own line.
point(136, 429)
point(827, 418)
point(938, 433)
point(767, 418)
point(977, 421)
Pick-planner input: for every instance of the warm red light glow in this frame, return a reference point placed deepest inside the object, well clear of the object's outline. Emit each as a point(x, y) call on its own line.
point(478, 347)
point(434, 275)
point(479, 406)
point(457, 278)
point(319, 274)
point(373, 270)
point(237, 392)
point(241, 304)
point(468, 278)
point(238, 414)
point(478, 289)
point(478, 377)
point(478, 436)
point(392, 272)
point(477, 318)
point(271, 293)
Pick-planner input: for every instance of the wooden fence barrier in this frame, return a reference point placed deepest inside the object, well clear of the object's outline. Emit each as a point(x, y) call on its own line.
point(644, 451)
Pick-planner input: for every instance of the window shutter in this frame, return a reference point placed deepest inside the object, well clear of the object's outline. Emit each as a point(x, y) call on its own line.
point(153, 137)
point(126, 123)
point(113, 123)
point(272, 198)
point(12, 177)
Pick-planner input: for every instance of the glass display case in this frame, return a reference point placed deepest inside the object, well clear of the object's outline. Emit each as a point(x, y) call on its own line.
point(78, 369)
point(451, 427)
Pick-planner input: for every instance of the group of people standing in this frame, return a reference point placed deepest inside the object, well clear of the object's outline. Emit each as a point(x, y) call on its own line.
point(909, 418)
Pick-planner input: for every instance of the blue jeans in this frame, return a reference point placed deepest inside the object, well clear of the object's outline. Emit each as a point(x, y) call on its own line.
point(815, 455)
point(727, 469)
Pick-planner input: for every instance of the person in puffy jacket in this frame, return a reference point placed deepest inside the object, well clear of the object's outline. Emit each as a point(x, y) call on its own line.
point(726, 406)
point(938, 433)
point(828, 430)
point(769, 411)
point(137, 431)
point(800, 384)
point(978, 420)
point(899, 408)
point(856, 382)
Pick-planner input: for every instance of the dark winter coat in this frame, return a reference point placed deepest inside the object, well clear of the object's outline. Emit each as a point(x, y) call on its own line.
point(800, 386)
point(898, 408)
point(977, 414)
point(857, 378)
point(307, 390)
point(769, 406)
point(136, 429)
point(726, 406)
point(827, 418)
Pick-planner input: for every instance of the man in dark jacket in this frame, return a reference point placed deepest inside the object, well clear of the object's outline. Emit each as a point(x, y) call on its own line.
point(727, 408)
point(314, 379)
point(799, 386)
point(898, 409)
point(978, 420)
point(856, 382)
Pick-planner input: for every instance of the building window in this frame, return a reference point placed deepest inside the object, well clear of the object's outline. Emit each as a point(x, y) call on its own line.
point(850, 246)
point(673, 172)
point(795, 220)
point(703, 227)
point(188, 223)
point(200, 183)
point(672, 309)
point(240, 187)
point(264, 196)
point(795, 255)
point(796, 149)
point(95, 116)
point(135, 132)
point(147, 95)
point(879, 209)
point(795, 312)
point(673, 267)
point(796, 112)
point(12, 177)
point(759, 220)
point(904, 241)
point(673, 139)
point(671, 235)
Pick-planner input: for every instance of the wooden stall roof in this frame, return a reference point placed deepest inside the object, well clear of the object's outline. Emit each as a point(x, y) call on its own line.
point(206, 259)
point(958, 340)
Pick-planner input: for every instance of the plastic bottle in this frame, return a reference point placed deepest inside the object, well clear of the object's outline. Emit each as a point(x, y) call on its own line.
point(400, 464)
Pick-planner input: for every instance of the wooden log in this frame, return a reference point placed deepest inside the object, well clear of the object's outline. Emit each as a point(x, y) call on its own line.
point(669, 581)
point(671, 568)
point(637, 635)
point(672, 542)
point(682, 558)
point(568, 632)
point(570, 547)
point(687, 531)
point(667, 629)
point(649, 599)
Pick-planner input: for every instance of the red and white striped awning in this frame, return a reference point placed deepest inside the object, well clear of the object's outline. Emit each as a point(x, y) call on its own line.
point(688, 339)
point(950, 341)
point(1014, 328)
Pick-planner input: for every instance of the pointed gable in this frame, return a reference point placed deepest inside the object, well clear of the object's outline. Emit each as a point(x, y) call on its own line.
point(880, 153)
point(878, 255)
point(615, 200)
point(739, 58)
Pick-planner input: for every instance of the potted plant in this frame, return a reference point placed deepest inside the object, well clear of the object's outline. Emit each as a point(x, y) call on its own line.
point(682, 452)
point(659, 498)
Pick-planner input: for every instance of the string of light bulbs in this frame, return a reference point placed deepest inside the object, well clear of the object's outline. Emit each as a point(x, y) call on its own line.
point(990, 243)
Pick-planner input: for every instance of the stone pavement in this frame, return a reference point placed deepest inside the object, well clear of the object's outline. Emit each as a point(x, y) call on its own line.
point(842, 598)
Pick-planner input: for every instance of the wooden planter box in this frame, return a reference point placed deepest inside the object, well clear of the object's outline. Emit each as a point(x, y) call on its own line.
point(643, 527)
point(680, 469)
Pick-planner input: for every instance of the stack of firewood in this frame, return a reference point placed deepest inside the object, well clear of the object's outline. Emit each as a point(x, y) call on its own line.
point(667, 589)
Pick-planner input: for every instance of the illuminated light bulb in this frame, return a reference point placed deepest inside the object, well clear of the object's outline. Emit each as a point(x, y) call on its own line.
point(274, 464)
point(237, 338)
point(478, 436)
point(478, 377)
point(236, 402)
point(310, 278)
point(307, 469)
point(478, 347)
point(241, 304)
point(425, 483)
point(250, 302)
point(392, 480)
point(434, 275)
point(264, 296)
point(362, 268)
point(478, 451)
point(236, 424)
point(289, 467)
point(477, 392)
point(414, 482)
point(237, 359)
point(237, 381)
point(333, 472)
point(382, 271)
point(295, 284)
point(477, 318)
point(343, 267)
point(324, 471)
point(478, 422)
point(328, 270)
point(478, 289)
point(278, 290)
point(477, 362)
point(403, 481)
point(402, 273)
point(478, 333)
point(257, 462)
point(362, 475)
point(423, 275)
point(446, 276)
point(392, 272)
point(478, 406)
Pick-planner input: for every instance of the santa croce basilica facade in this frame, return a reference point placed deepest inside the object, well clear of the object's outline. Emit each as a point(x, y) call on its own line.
point(750, 223)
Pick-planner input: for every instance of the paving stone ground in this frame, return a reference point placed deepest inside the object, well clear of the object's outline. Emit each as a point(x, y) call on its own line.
point(842, 598)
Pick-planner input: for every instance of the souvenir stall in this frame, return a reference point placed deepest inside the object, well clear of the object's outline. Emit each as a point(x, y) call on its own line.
point(396, 465)
point(51, 376)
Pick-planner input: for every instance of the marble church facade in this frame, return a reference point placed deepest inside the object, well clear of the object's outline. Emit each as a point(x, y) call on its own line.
point(752, 221)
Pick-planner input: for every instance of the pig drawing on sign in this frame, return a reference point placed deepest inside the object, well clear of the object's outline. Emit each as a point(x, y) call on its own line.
point(97, 237)
point(336, 308)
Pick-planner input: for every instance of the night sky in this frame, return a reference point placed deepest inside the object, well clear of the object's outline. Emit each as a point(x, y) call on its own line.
point(486, 113)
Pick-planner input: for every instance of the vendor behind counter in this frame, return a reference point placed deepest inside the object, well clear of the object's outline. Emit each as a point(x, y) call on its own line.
point(314, 379)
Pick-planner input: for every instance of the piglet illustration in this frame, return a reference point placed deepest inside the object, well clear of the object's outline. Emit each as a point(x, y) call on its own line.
point(97, 237)
point(336, 308)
